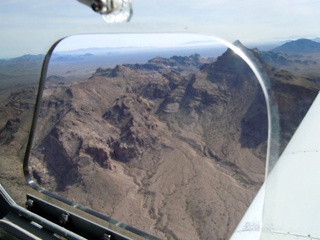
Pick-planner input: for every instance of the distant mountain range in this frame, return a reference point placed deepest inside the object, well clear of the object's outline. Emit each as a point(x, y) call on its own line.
point(302, 45)
point(317, 39)
point(70, 57)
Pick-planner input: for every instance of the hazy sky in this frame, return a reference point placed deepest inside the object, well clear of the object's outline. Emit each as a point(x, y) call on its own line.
point(33, 26)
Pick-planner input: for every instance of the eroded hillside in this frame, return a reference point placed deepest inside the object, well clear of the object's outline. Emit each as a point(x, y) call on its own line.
point(174, 147)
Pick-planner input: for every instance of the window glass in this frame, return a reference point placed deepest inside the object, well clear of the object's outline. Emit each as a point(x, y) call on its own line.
point(164, 132)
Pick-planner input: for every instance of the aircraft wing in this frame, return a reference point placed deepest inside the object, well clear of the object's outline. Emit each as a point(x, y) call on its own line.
point(288, 204)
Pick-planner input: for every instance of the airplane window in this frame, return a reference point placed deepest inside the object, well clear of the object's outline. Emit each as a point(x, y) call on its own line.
point(165, 136)
point(166, 133)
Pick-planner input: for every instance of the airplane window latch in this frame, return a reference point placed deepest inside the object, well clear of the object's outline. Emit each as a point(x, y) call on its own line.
point(112, 11)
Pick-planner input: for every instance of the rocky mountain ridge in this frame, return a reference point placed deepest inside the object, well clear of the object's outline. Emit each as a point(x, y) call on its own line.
point(143, 121)
point(174, 147)
point(300, 57)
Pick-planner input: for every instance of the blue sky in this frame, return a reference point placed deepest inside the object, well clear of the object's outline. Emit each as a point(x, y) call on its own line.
point(33, 26)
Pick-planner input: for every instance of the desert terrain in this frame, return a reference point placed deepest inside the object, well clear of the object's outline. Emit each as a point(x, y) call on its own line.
point(174, 146)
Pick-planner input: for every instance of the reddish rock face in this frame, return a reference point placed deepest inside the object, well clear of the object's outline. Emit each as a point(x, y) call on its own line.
point(174, 147)
point(165, 146)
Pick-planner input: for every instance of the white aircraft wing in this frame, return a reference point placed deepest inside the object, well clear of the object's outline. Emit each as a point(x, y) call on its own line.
point(288, 204)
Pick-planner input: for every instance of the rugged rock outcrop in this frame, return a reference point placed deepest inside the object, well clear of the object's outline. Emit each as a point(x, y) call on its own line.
point(174, 147)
